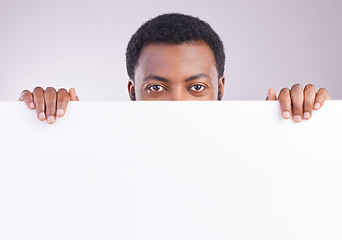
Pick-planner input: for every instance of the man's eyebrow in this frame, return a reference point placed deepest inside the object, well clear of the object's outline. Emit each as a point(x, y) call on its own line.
point(155, 77)
point(196, 77)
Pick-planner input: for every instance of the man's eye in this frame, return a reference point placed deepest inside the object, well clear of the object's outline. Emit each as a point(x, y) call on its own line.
point(197, 87)
point(156, 88)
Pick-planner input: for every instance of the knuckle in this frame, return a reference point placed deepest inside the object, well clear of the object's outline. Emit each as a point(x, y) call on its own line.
point(297, 87)
point(38, 89)
point(323, 90)
point(63, 96)
point(62, 90)
point(322, 94)
point(50, 90)
point(310, 87)
point(24, 94)
point(284, 90)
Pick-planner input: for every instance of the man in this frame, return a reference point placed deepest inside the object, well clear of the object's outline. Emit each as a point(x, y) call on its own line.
point(176, 57)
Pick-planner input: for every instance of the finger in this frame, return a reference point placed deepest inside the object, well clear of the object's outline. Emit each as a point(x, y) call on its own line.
point(271, 95)
point(73, 96)
point(285, 102)
point(297, 99)
point(63, 99)
point(27, 97)
point(39, 102)
point(309, 100)
point(50, 104)
point(321, 96)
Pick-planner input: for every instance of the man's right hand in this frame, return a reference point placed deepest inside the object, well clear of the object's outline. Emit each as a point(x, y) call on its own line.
point(48, 103)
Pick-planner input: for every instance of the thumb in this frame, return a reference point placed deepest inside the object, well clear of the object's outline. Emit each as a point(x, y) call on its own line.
point(73, 96)
point(271, 95)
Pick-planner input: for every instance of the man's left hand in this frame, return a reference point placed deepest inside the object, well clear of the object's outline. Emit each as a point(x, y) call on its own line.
point(299, 102)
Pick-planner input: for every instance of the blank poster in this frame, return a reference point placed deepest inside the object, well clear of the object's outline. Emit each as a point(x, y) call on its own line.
point(171, 170)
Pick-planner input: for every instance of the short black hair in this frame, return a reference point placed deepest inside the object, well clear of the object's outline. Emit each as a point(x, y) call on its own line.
point(174, 28)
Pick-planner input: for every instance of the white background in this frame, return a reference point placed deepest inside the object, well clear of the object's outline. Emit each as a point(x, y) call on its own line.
point(81, 44)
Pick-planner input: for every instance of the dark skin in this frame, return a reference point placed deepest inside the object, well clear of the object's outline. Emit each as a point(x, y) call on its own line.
point(178, 73)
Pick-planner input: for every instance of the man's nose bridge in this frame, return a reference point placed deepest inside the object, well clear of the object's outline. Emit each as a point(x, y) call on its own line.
point(179, 94)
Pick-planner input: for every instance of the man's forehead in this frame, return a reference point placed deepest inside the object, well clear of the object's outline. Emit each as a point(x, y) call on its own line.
point(184, 50)
point(186, 57)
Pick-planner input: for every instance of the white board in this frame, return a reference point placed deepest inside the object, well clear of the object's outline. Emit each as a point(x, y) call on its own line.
point(171, 170)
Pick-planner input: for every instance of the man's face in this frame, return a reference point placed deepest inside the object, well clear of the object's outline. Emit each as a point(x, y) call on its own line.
point(176, 73)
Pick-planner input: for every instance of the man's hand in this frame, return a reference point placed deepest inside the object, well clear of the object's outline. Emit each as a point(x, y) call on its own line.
point(298, 101)
point(48, 103)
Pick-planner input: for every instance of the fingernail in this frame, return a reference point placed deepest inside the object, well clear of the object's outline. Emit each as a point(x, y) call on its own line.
point(42, 116)
point(32, 105)
point(297, 118)
point(307, 115)
point(286, 114)
point(51, 119)
point(317, 105)
point(60, 112)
